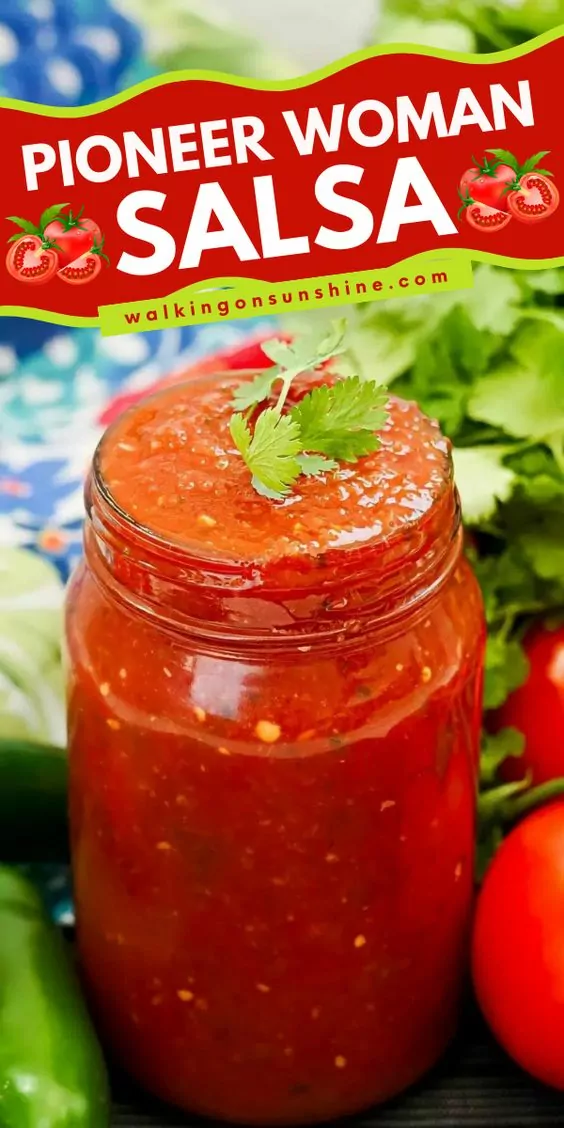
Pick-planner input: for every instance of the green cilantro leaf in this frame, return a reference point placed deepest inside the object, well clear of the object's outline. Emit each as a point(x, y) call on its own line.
point(525, 395)
point(340, 420)
point(313, 464)
point(270, 451)
point(543, 546)
point(545, 281)
point(541, 479)
point(506, 669)
point(493, 303)
point(281, 353)
point(509, 586)
point(482, 479)
point(496, 748)
point(291, 359)
point(333, 421)
point(255, 391)
point(382, 353)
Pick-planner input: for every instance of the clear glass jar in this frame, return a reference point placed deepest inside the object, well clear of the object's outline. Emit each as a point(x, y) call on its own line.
point(273, 774)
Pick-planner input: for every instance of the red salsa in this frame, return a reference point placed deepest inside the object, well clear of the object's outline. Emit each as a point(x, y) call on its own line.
point(274, 713)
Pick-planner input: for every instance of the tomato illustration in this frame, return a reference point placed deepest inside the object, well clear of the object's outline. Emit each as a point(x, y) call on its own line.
point(484, 218)
point(32, 259)
point(85, 268)
point(535, 199)
point(486, 183)
point(73, 235)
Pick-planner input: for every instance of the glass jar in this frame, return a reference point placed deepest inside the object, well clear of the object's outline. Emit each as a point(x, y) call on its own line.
point(273, 765)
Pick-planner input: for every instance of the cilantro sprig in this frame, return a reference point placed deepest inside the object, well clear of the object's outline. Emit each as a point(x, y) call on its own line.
point(331, 423)
point(290, 359)
point(488, 363)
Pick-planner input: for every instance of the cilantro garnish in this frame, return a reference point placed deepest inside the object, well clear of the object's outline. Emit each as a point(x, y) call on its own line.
point(332, 423)
point(270, 451)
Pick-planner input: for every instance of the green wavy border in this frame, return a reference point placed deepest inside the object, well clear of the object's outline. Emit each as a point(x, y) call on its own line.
point(456, 253)
point(284, 84)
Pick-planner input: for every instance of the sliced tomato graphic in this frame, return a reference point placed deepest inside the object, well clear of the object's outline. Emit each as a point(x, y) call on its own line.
point(32, 260)
point(85, 268)
point(486, 219)
point(535, 199)
point(82, 270)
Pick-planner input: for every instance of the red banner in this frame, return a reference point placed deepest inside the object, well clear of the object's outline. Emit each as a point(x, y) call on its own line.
point(197, 178)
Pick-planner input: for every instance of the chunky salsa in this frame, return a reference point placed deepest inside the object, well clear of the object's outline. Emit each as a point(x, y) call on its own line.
point(274, 712)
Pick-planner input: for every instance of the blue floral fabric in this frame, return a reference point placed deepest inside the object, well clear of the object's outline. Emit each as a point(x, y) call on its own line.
point(67, 52)
point(55, 384)
point(51, 403)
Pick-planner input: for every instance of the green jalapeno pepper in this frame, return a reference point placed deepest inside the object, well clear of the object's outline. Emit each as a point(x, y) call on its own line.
point(33, 802)
point(52, 1072)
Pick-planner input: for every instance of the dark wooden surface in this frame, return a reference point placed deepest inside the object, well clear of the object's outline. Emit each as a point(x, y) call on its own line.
point(475, 1086)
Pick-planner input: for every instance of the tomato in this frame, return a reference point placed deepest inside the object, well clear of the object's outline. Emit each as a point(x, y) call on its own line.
point(537, 710)
point(82, 270)
point(487, 183)
point(535, 199)
point(486, 219)
point(32, 260)
point(249, 355)
point(73, 236)
point(518, 944)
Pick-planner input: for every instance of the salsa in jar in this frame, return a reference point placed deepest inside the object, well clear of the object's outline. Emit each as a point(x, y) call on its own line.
point(274, 714)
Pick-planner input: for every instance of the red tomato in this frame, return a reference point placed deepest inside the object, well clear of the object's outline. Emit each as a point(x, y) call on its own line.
point(486, 219)
point(74, 236)
point(537, 709)
point(535, 199)
point(488, 187)
point(82, 270)
point(248, 356)
point(518, 944)
point(31, 260)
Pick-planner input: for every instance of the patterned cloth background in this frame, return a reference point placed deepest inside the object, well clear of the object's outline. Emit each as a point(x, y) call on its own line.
point(56, 384)
point(53, 406)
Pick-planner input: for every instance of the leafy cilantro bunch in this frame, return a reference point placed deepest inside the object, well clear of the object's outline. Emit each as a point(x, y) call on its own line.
point(488, 363)
point(473, 25)
point(334, 422)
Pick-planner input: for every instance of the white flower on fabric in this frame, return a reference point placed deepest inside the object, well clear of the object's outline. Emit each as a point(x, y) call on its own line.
point(12, 534)
point(62, 350)
point(126, 350)
point(8, 357)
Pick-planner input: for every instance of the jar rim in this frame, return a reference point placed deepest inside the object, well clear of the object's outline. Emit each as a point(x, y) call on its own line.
point(224, 561)
point(346, 588)
point(181, 547)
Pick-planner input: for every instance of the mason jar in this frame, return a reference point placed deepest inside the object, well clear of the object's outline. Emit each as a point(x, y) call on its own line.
point(274, 716)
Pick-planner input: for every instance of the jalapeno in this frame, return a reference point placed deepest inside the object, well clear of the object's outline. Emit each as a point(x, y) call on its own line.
point(52, 1071)
point(33, 802)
